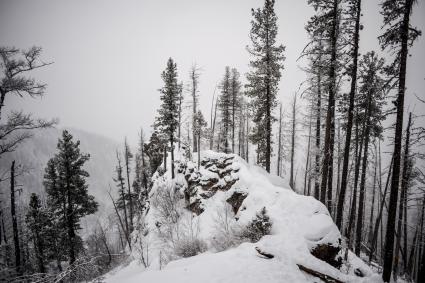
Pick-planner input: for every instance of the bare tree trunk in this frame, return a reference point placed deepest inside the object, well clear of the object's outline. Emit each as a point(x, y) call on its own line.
point(130, 198)
point(344, 179)
point(318, 125)
point(14, 220)
point(247, 139)
point(268, 128)
point(279, 146)
point(291, 178)
point(372, 207)
point(404, 183)
point(379, 216)
point(180, 114)
point(194, 79)
point(359, 150)
point(338, 162)
point(121, 222)
point(327, 168)
point(199, 151)
point(405, 234)
point(307, 163)
point(213, 124)
point(389, 236)
point(366, 137)
point(172, 155)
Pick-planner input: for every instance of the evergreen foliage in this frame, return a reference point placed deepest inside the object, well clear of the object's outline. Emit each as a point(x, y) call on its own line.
point(263, 79)
point(66, 188)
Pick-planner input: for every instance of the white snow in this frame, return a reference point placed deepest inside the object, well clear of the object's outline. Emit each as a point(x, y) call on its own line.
point(298, 224)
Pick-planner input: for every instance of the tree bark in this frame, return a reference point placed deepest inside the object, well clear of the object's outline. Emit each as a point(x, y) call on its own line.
point(379, 216)
point(404, 186)
point(366, 137)
point(307, 163)
point(172, 155)
point(291, 178)
point(359, 150)
point(344, 177)
point(389, 236)
point(279, 144)
point(130, 200)
point(14, 220)
point(318, 135)
point(326, 184)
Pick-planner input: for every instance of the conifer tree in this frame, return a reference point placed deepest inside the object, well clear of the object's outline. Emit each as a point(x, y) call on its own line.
point(327, 22)
point(199, 124)
point(128, 157)
point(235, 96)
point(354, 13)
point(398, 36)
point(263, 79)
point(38, 222)
point(167, 119)
point(225, 108)
point(121, 202)
point(371, 99)
point(69, 198)
point(194, 89)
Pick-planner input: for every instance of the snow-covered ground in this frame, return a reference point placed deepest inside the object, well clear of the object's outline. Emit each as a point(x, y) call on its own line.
point(299, 224)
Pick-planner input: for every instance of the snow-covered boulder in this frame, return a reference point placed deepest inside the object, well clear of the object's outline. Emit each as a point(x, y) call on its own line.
point(302, 231)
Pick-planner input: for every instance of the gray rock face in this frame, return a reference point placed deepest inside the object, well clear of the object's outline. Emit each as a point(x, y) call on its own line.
point(216, 174)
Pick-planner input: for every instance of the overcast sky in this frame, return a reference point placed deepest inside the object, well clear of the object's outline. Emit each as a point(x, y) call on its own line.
point(108, 55)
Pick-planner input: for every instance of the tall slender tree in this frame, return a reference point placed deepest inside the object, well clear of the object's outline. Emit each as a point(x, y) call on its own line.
point(225, 106)
point(13, 213)
point(128, 157)
point(194, 89)
point(354, 12)
point(235, 96)
point(263, 79)
point(38, 222)
point(167, 119)
point(398, 36)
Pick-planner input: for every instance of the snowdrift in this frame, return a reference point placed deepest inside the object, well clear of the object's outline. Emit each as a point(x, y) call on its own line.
point(302, 231)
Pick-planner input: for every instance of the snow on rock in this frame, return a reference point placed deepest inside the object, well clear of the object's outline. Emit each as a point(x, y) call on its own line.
point(302, 230)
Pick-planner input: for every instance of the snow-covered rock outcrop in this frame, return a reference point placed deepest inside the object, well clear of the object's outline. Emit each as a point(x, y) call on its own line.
point(302, 231)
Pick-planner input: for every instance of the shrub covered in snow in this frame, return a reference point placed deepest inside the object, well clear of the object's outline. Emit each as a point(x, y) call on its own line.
point(227, 232)
point(188, 247)
point(258, 227)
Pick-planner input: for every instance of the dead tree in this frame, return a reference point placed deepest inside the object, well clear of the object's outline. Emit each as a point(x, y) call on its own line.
point(14, 219)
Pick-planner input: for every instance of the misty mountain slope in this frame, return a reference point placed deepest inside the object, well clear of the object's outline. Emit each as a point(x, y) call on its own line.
point(35, 152)
point(302, 232)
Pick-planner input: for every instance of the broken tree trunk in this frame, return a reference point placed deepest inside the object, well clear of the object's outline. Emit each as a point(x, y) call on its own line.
point(324, 277)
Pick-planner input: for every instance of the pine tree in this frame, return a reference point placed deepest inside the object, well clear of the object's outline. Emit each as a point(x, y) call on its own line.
point(293, 135)
point(122, 195)
point(225, 108)
point(397, 37)
point(199, 124)
point(235, 96)
point(154, 149)
point(167, 119)
point(194, 82)
point(371, 92)
point(39, 224)
point(327, 22)
point(69, 198)
point(13, 213)
point(141, 181)
point(263, 79)
point(354, 13)
point(128, 156)
point(56, 210)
